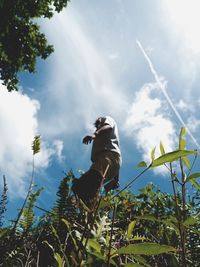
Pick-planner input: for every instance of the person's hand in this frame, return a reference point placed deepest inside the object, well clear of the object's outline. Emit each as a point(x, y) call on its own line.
point(88, 139)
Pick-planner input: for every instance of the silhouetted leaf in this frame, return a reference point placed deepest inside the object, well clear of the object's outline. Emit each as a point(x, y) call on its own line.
point(162, 150)
point(182, 142)
point(142, 164)
point(130, 229)
point(153, 154)
point(171, 156)
point(145, 249)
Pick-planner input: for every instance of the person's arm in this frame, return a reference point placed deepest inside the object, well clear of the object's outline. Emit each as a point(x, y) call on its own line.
point(102, 129)
point(88, 138)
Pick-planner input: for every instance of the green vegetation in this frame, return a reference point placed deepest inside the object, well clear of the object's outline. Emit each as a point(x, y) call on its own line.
point(21, 41)
point(149, 229)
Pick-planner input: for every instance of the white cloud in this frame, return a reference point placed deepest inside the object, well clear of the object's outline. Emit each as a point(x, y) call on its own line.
point(182, 21)
point(18, 126)
point(148, 123)
point(113, 56)
point(184, 16)
point(184, 106)
point(43, 159)
point(193, 123)
point(82, 87)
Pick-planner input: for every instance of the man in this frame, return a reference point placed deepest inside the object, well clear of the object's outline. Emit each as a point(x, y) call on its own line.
point(105, 157)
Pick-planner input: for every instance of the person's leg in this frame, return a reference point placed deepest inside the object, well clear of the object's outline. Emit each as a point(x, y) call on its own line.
point(112, 184)
point(87, 186)
point(105, 167)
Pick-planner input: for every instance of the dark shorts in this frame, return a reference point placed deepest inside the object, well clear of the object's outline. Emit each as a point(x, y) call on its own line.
point(107, 163)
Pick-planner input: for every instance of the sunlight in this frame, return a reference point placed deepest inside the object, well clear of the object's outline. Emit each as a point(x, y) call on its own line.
point(186, 20)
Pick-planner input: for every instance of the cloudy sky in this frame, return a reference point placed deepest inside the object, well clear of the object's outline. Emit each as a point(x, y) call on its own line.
point(137, 61)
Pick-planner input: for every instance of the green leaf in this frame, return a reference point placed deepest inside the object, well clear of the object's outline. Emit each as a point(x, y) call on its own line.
point(169, 221)
point(95, 245)
point(49, 245)
point(141, 260)
point(104, 204)
point(130, 229)
point(195, 183)
point(148, 217)
point(54, 232)
point(139, 238)
point(153, 154)
point(145, 249)
point(36, 144)
point(162, 150)
point(58, 258)
point(182, 142)
point(102, 257)
point(3, 232)
point(171, 156)
point(190, 221)
point(131, 264)
point(186, 162)
point(142, 164)
point(66, 223)
point(195, 231)
point(193, 176)
point(98, 255)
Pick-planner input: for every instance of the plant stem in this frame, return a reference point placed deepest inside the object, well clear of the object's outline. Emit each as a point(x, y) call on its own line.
point(178, 217)
point(27, 196)
point(128, 185)
point(111, 234)
point(183, 188)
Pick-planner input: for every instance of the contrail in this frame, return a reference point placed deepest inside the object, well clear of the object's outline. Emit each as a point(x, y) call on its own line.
point(162, 87)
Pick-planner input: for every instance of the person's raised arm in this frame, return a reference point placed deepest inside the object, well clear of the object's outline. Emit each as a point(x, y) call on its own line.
point(88, 138)
point(102, 129)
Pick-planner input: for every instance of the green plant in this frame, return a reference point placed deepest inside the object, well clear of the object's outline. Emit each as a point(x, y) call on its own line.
point(148, 229)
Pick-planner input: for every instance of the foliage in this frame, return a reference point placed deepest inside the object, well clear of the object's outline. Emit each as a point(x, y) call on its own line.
point(21, 41)
point(151, 228)
point(27, 218)
point(36, 144)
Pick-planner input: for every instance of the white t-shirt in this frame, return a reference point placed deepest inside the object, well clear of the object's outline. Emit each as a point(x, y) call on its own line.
point(108, 141)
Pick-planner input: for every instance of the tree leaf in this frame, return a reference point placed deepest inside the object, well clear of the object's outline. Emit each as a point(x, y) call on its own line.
point(182, 142)
point(171, 156)
point(36, 144)
point(132, 264)
point(169, 221)
point(141, 260)
point(193, 176)
point(145, 249)
point(190, 221)
point(153, 154)
point(195, 183)
point(104, 204)
point(148, 217)
point(130, 229)
point(186, 161)
point(139, 238)
point(66, 223)
point(162, 150)
point(49, 245)
point(142, 164)
point(58, 258)
point(95, 245)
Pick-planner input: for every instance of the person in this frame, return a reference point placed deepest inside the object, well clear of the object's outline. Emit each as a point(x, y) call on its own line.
point(105, 157)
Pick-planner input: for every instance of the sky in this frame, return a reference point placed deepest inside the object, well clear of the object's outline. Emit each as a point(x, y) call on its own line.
point(137, 61)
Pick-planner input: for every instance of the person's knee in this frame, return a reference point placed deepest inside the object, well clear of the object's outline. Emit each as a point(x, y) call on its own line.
point(88, 184)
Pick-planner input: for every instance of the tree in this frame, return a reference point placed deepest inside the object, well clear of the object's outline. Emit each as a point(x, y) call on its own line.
point(21, 41)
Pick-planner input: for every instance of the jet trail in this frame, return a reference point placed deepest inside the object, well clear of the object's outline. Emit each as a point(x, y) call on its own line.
point(162, 87)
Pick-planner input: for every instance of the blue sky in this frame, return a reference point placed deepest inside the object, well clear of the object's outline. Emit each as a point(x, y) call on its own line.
point(98, 68)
